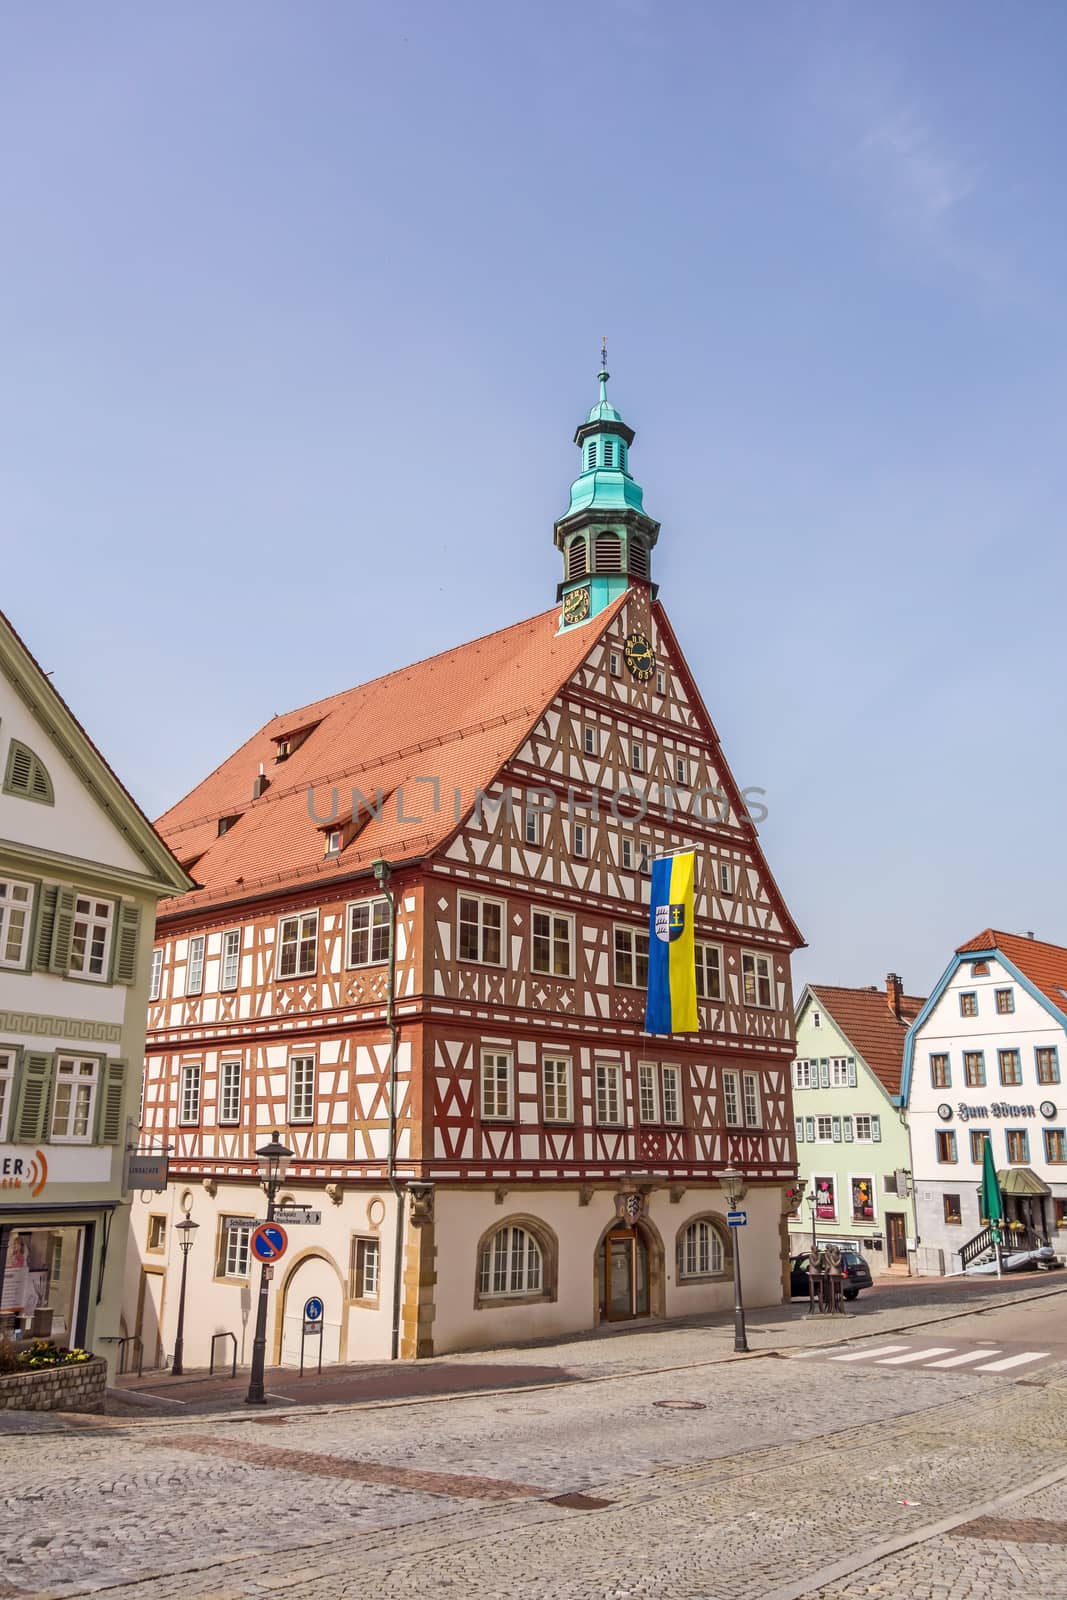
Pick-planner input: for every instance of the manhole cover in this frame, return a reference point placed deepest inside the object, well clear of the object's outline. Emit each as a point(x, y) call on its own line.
point(1023, 1530)
point(579, 1502)
point(680, 1405)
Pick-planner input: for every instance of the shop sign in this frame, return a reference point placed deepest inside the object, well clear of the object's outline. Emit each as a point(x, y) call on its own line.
point(999, 1108)
point(22, 1167)
point(146, 1170)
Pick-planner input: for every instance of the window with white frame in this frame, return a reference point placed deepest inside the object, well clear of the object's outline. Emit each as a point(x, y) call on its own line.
point(726, 877)
point(333, 840)
point(647, 1097)
point(753, 1107)
point(816, 1019)
point(368, 932)
point(631, 958)
point(194, 970)
point(531, 825)
point(681, 769)
point(613, 664)
point(230, 1092)
point(511, 1263)
point(301, 1088)
point(481, 925)
point(90, 941)
point(642, 858)
point(637, 757)
point(709, 971)
point(556, 1088)
point(16, 908)
point(839, 1072)
point(731, 1099)
point(496, 1084)
point(234, 1252)
point(672, 1094)
point(590, 743)
point(824, 1130)
point(7, 1085)
point(74, 1100)
point(580, 840)
point(552, 943)
point(661, 681)
point(608, 1093)
point(864, 1126)
point(805, 1074)
point(298, 939)
point(189, 1095)
point(230, 967)
point(365, 1269)
point(702, 1251)
point(756, 976)
point(157, 974)
point(628, 854)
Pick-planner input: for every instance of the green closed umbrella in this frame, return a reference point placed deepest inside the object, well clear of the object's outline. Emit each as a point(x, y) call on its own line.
point(990, 1199)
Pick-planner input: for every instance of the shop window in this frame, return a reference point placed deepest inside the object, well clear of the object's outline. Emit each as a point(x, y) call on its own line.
point(41, 1283)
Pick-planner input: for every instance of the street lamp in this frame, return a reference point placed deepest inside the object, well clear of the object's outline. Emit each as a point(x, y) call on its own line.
point(274, 1159)
point(812, 1202)
point(734, 1184)
point(186, 1231)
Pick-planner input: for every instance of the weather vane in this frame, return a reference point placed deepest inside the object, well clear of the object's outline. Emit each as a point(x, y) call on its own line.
point(604, 353)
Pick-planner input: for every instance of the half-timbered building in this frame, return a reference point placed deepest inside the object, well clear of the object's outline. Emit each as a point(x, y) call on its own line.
point(418, 948)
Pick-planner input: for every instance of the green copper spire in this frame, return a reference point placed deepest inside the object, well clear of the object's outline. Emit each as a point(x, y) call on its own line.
point(605, 535)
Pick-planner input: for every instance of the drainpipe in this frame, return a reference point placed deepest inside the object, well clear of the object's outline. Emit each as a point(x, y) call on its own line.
point(381, 870)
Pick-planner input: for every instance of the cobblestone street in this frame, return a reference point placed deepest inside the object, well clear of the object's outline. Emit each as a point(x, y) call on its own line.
point(756, 1479)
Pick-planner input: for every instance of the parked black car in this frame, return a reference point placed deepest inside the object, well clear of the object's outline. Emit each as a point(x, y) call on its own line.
point(855, 1274)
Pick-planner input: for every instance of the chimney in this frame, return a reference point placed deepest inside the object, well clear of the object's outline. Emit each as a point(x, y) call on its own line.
point(894, 991)
point(1029, 933)
point(261, 783)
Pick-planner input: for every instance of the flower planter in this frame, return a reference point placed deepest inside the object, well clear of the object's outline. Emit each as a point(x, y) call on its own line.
point(81, 1386)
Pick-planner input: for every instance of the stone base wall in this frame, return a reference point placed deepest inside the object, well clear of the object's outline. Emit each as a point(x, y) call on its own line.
point(80, 1387)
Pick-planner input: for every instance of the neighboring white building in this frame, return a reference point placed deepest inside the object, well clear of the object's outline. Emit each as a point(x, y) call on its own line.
point(984, 1057)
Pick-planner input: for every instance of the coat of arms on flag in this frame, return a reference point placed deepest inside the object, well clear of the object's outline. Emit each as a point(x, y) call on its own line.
point(670, 922)
point(672, 984)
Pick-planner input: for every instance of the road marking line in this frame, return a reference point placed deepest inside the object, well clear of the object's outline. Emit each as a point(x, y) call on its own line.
point(1012, 1361)
point(916, 1355)
point(968, 1355)
point(868, 1355)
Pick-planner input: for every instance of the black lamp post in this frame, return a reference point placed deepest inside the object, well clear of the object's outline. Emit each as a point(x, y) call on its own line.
point(813, 1202)
point(734, 1185)
point(186, 1231)
point(274, 1159)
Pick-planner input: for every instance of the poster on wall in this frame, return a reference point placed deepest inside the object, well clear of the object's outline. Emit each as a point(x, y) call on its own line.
point(20, 1292)
point(863, 1199)
point(825, 1200)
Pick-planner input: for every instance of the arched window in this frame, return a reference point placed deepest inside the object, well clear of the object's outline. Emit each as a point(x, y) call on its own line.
point(590, 455)
point(638, 558)
point(608, 552)
point(700, 1250)
point(510, 1264)
point(576, 562)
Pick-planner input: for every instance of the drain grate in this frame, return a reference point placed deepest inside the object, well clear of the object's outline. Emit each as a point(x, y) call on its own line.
point(680, 1405)
point(579, 1502)
point(1023, 1530)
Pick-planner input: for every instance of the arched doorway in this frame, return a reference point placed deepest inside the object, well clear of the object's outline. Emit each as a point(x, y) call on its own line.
point(314, 1277)
point(623, 1273)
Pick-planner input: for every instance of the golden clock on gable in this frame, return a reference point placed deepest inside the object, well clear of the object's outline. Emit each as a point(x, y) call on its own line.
point(640, 657)
point(576, 605)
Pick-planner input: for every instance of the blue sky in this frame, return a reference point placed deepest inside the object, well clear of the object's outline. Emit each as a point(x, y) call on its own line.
point(302, 305)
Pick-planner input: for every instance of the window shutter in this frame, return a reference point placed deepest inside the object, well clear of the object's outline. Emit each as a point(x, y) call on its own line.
point(800, 1130)
point(46, 926)
point(809, 1129)
point(27, 775)
point(852, 1072)
point(31, 1108)
point(876, 1129)
point(824, 1073)
point(126, 944)
point(109, 1105)
point(837, 1130)
point(847, 1123)
point(64, 924)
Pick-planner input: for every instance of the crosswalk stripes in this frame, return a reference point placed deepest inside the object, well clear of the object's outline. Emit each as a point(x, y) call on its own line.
point(940, 1357)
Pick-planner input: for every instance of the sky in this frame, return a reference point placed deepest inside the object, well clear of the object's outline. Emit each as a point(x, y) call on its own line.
point(302, 304)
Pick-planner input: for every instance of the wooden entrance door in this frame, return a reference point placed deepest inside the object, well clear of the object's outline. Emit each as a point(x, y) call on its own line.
point(896, 1236)
point(625, 1259)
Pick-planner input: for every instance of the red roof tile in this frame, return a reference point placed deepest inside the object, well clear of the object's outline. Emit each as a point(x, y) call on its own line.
point(1044, 964)
point(865, 1018)
point(455, 717)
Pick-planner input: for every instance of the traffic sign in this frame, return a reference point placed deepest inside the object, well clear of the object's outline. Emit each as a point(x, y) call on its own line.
point(269, 1241)
point(297, 1216)
point(313, 1309)
point(737, 1219)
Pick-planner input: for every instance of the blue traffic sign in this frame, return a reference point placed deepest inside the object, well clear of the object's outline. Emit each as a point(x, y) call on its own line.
point(736, 1219)
point(269, 1241)
point(313, 1309)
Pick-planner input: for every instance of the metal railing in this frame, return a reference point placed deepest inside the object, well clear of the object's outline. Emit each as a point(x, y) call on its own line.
point(131, 1338)
point(233, 1364)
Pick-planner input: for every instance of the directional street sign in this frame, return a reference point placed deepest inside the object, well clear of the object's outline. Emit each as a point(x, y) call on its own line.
point(297, 1216)
point(737, 1219)
point(269, 1241)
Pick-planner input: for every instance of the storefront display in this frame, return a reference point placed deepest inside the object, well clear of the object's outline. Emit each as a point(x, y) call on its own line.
point(40, 1284)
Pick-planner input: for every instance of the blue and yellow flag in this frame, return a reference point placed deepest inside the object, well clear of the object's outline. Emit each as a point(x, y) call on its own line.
point(672, 973)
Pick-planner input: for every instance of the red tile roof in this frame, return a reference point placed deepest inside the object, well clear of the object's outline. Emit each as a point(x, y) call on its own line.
point(866, 1019)
point(1044, 964)
point(456, 717)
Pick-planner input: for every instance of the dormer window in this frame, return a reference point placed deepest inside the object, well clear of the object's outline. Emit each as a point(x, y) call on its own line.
point(334, 837)
point(289, 742)
point(226, 823)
